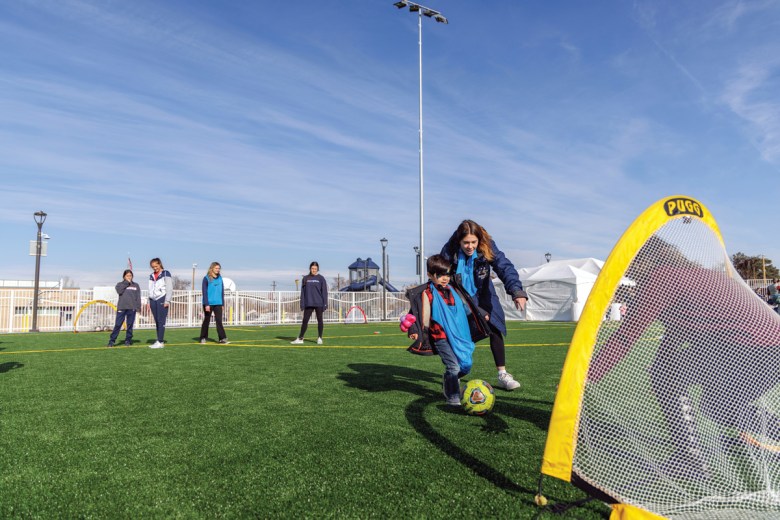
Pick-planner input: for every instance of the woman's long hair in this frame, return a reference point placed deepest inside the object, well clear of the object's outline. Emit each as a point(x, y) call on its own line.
point(469, 227)
point(211, 270)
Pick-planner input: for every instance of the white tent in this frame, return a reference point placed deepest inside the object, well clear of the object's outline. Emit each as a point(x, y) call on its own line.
point(557, 290)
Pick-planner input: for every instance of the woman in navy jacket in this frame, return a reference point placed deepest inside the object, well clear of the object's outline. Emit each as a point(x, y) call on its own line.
point(472, 254)
point(314, 298)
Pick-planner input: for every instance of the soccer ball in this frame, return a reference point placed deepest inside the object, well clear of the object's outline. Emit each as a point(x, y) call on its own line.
point(477, 397)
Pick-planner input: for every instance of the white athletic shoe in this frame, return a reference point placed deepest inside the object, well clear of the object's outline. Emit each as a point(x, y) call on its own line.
point(298, 341)
point(319, 341)
point(157, 344)
point(507, 382)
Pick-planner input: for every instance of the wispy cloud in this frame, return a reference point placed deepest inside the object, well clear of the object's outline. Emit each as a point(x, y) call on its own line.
point(269, 141)
point(752, 95)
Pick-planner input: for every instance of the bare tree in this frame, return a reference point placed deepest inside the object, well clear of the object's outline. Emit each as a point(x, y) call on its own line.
point(68, 282)
point(338, 282)
point(179, 284)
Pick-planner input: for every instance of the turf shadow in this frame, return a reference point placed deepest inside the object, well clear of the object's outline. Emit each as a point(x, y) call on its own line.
point(381, 378)
point(373, 377)
point(415, 414)
point(7, 367)
point(525, 410)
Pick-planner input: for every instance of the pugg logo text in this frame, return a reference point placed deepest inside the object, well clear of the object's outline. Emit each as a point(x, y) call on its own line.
point(682, 206)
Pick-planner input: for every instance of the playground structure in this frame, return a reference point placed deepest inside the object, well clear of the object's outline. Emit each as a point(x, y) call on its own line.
point(364, 277)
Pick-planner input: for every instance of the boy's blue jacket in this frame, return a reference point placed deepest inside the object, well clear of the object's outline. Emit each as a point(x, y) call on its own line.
point(486, 294)
point(314, 291)
point(422, 312)
point(213, 290)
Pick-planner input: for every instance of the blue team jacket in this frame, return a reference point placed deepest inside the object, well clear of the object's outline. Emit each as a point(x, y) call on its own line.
point(486, 294)
point(213, 290)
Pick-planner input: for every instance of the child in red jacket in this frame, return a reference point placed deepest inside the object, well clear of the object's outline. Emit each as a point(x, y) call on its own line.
point(446, 320)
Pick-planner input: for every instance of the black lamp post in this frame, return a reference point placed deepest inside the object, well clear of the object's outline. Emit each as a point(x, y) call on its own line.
point(547, 257)
point(384, 279)
point(40, 218)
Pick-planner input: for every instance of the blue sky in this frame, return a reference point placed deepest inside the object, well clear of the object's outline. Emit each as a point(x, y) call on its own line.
point(265, 135)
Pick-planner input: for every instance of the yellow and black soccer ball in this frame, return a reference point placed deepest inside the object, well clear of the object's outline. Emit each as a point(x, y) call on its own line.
point(477, 397)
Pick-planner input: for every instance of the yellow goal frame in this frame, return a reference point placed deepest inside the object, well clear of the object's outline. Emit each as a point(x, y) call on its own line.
point(92, 302)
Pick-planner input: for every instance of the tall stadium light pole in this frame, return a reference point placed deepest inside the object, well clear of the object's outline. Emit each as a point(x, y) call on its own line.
point(40, 218)
point(421, 11)
point(384, 279)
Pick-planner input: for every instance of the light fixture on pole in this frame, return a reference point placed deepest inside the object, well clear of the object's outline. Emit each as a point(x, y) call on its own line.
point(383, 241)
point(40, 218)
point(417, 259)
point(421, 11)
point(547, 257)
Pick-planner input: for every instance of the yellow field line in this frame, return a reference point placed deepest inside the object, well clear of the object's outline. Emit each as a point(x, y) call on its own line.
point(244, 344)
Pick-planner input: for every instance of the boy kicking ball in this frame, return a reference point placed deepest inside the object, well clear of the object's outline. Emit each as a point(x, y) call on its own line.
point(443, 320)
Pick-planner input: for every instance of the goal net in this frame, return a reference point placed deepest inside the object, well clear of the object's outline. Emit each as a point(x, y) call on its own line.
point(355, 314)
point(671, 405)
point(95, 316)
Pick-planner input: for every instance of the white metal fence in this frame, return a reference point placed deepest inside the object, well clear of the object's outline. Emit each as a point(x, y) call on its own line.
point(73, 309)
point(759, 285)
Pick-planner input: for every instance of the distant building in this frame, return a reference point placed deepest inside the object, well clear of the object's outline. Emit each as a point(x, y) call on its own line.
point(28, 284)
point(56, 306)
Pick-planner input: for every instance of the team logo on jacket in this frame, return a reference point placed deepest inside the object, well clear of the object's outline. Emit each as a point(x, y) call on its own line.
point(482, 272)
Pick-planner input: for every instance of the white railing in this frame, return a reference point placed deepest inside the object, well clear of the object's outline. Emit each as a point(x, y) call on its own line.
point(74, 309)
point(759, 285)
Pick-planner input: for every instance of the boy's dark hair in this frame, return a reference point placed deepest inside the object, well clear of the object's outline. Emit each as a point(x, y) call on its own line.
point(438, 265)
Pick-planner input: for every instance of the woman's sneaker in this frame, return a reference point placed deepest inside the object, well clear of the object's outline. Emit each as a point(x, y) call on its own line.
point(298, 341)
point(319, 341)
point(224, 341)
point(507, 382)
point(157, 344)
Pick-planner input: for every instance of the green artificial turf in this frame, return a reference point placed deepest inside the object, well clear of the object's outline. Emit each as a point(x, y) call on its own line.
point(355, 428)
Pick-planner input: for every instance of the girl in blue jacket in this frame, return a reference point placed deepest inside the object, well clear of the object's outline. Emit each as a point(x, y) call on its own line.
point(472, 254)
point(213, 300)
point(314, 298)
